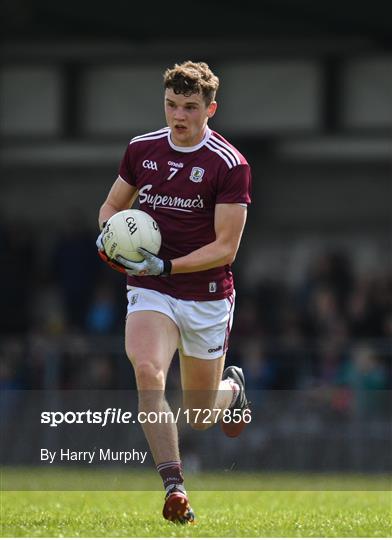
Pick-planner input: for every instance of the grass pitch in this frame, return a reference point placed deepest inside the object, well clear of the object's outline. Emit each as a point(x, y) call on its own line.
point(219, 513)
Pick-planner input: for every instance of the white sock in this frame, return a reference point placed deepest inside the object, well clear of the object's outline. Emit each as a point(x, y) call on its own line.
point(236, 390)
point(179, 487)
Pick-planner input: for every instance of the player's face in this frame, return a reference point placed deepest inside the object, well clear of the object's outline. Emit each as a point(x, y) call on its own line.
point(187, 116)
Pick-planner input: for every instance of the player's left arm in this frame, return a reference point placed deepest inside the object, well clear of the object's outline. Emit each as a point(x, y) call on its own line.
point(229, 223)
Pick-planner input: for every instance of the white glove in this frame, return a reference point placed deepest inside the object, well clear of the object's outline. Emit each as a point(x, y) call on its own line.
point(151, 266)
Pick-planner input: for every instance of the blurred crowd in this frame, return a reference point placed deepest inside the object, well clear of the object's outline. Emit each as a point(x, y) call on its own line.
point(63, 311)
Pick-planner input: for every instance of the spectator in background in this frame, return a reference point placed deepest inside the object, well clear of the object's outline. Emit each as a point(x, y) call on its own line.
point(330, 272)
point(358, 312)
point(366, 308)
point(364, 374)
point(47, 309)
point(259, 367)
point(332, 354)
point(333, 271)
point(323, 313)
point(102, 314)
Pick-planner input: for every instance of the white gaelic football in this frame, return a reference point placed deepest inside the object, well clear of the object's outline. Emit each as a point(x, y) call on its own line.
point(128, 230)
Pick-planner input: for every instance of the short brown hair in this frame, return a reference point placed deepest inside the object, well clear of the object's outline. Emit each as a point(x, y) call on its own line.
point(192, 78)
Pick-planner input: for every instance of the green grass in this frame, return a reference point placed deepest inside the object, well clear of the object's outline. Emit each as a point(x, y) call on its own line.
point(219, 513)
point(125, 479)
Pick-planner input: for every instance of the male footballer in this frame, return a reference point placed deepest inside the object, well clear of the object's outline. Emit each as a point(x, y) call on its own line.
point(196, 186)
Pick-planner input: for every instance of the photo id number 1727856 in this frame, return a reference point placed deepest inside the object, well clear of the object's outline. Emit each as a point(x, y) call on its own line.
point(211, 416)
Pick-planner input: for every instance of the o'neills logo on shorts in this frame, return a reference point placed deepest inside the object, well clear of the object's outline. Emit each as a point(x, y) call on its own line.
point(216, 349)
point(166, 201)
point(133, 299)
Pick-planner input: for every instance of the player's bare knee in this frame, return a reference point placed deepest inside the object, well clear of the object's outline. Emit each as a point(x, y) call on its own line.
point(149, 376)
point(130, 355)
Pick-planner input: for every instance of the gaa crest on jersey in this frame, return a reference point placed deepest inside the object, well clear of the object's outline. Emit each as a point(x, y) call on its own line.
point(196, 174)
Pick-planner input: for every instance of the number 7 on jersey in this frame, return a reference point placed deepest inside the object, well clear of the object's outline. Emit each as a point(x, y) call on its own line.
point(173, 171)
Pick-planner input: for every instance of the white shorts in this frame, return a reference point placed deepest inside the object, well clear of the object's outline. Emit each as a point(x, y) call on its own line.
point(204, 326)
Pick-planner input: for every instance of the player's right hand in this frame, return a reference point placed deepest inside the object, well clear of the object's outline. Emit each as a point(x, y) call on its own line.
point(102, 254)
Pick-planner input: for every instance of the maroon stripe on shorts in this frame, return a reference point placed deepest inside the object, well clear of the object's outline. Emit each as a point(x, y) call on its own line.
point(228, 328)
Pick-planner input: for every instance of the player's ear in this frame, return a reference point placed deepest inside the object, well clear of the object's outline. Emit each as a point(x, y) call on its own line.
point(211, 110)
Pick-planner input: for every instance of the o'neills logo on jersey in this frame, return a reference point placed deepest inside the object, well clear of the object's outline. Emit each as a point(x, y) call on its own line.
point(165, 201)
point(174, 164)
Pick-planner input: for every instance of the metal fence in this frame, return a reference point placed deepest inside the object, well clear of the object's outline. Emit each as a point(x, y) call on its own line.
point(314, 426)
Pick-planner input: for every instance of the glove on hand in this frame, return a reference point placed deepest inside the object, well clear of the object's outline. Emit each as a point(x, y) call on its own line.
point(151, 266)
point(105, 258)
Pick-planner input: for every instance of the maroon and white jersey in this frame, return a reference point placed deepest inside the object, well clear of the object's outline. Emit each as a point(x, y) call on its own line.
point(179, 187)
